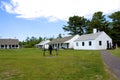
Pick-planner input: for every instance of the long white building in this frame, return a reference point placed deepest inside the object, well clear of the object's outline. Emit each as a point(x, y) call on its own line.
point(94, 41)
point(65, 42)
point(9, 43)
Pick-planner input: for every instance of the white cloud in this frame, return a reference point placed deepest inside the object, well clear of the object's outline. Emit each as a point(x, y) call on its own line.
point(59, 9)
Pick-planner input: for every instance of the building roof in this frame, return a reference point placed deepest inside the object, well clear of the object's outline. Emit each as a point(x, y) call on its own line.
point(43, 42)
point(92, 36)
point(9, 41)
point(61, 40)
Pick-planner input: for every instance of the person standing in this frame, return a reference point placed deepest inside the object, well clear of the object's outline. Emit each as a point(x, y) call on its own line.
point(50, 49)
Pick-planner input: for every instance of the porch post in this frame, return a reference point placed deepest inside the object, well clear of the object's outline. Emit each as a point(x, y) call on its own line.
point(8, 47)
point(58, 45)
point(4, 47)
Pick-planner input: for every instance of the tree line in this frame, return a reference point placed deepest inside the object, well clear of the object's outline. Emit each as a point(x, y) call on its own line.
point(107, 23)
point(30, 42)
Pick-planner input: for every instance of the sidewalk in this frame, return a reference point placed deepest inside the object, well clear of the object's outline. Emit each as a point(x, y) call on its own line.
point(112, 62)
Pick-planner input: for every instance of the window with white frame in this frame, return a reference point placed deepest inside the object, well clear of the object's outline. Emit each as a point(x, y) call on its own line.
point(100, 43)
point(90, 43)
point(83, 43)
point(77, 44)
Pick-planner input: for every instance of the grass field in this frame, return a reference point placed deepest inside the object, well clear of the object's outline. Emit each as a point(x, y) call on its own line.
point(30, 64)
point(116, 52)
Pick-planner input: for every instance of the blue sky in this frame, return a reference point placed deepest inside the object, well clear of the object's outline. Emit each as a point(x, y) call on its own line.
point(45, 18)
point(12, 27)
point(20, 28)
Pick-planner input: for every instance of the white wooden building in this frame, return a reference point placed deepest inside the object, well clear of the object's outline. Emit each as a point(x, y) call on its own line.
point(9, 43)
point(65, 42)
point(43, 44)
point(94, 41)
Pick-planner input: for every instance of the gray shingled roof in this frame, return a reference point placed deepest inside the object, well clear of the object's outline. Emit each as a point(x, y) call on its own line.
point(60, 40)
point(89, 36)
point(9, 41)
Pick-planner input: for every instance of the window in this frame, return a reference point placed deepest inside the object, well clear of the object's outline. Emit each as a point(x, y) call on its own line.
point(83, 44)
point(13, 46)
point(90, 43)
point(100, 43)
point(16, 45)
point(76, 43)
point(2, 46)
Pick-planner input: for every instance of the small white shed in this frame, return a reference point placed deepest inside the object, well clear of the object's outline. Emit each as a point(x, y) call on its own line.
point(94, 41)
point(43, 44)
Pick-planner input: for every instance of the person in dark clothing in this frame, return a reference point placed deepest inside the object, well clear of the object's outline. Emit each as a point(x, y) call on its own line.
point(50, 49)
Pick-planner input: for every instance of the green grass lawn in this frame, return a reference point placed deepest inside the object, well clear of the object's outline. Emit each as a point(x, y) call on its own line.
point(115, 52)
point(30, 64)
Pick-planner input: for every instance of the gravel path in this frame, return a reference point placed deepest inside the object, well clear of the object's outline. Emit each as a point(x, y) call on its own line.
point(112, 62)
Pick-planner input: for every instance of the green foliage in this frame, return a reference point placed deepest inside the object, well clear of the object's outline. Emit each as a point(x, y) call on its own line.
point(59, 36)
point(115, 52)
point(30, 42)
point(30, 64)
point(99, 22)
point(76, 25)
point(115, 33)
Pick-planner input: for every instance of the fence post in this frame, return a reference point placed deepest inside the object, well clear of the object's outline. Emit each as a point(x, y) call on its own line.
point(44, 51)
point(56, 49)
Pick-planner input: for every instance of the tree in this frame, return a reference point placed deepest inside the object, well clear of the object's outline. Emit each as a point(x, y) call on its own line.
point(98, 21)
point(115, 33)
point(30, 42)
point(59, 36)
point(76, 25)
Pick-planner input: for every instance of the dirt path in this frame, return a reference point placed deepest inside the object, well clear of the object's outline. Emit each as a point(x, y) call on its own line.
point(112, 62)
